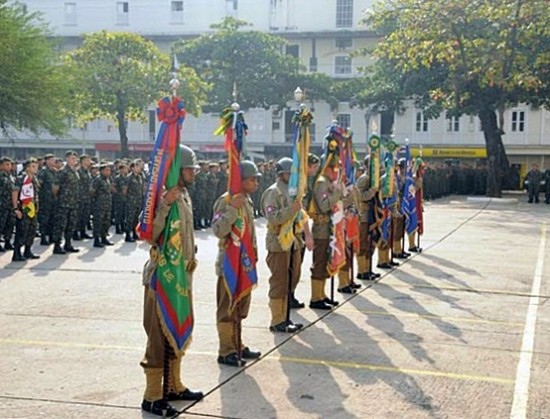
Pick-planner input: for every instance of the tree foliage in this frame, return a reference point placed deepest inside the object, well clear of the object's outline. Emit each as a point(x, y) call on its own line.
point(254, 61)
point(473, 57)
point(32, 88)
point(118, 75)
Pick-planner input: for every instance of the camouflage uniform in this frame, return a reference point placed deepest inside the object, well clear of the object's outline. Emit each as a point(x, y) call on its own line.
point(6, 208)
point(133, 204)
point(10, 216)
point(221, 187)
point(101, 192)
point(199, 201)
point(48, 204)
point(84, 200)
point(67, 180)
point(120, 198)
point(211, 189)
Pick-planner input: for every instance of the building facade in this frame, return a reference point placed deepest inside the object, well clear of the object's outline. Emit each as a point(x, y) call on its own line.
point(321, 33)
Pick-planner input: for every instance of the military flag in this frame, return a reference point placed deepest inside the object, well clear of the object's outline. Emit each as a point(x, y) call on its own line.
point(239, 263)
point(169, 280)
point(408, 204)
point(297, 184)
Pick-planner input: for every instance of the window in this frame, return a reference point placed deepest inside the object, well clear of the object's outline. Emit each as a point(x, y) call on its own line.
point(344, 120)
point(344, 13)
point(313, 64)
point(176, 7)
point(70, 13)
point(453, 124)
point(421, 122)
point(343, 43)
point(122, 12)
point(293, 50)
point(342, 65)
point(231, 6)
point(518, 121)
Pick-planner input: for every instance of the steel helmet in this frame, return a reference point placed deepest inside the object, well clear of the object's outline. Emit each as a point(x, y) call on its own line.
point(284, 165)
point(249, 169)
point(188, 160)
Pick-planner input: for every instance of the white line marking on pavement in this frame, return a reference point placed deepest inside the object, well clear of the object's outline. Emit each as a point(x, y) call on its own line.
point(523, 374)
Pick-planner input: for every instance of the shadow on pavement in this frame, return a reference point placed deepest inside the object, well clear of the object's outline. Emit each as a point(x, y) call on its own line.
point(405, 303)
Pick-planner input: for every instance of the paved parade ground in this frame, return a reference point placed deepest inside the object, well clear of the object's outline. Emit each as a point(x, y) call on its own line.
point(459, 331)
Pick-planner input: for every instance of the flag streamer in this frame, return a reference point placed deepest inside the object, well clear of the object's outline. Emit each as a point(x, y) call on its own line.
point(169, 280)
point(297, 184)
point(239, 263)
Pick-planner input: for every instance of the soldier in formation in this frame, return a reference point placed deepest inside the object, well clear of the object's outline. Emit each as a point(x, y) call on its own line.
point(66, 189)
point(154, 358)
point(25, 207)
point(101, 193)
point(48, 201)
point(134, 200)
point(6, 187)
point(84, 198)
point(285, 265)
point(228, 320)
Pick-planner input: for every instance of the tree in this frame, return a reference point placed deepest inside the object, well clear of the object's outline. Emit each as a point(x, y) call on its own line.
point(476, 57)
point(32, 89)
point(253, 61)
point(118, 75)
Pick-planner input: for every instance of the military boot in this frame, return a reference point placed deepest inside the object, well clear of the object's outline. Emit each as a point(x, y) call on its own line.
point(129, 238)
point(118, 229)
point(17, 257)
point(8, 245)
point(76, 236)
point(29, 254)
point(44, 241)
point(106, 242)
point(97, 242)
point(58, 250)
point(69, 247)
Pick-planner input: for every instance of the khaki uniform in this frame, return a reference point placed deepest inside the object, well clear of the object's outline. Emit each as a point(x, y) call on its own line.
point(153, 359)
point(366, 249)
point(229, 323)
point(324, 197)
point(412, 236)
point(275, 204)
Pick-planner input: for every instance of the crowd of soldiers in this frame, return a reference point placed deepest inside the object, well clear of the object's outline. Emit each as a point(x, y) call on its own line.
point(61, 201)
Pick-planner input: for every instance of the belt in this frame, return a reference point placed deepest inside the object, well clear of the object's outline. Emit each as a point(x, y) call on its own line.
point(320, 219)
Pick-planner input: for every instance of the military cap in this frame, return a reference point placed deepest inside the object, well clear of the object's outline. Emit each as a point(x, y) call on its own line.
point(222, 162)
point(48, 156)
point(84, 156)
point(213, 164)
point(6, 160)
point(71, 153)
point(122, 164)
point(29, 161)
point(312, 159)
point(104, 166)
